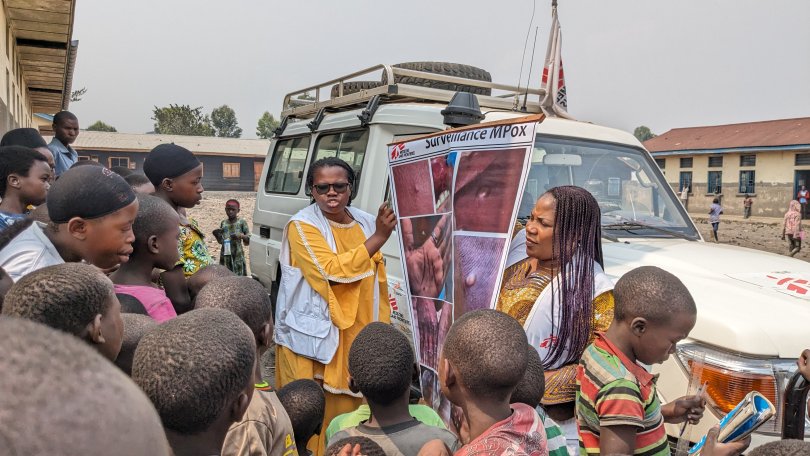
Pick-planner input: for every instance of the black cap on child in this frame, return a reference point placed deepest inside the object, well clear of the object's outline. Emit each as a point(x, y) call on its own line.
point(28, 137)
point(88, 192)
point(168, 161)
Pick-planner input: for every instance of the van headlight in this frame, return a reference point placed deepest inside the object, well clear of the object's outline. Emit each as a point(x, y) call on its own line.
point(729, 377)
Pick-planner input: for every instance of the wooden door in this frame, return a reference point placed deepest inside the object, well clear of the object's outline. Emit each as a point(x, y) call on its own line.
point(257, 173)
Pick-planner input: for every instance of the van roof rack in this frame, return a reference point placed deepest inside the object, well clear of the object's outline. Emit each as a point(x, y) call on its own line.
point(301, 104)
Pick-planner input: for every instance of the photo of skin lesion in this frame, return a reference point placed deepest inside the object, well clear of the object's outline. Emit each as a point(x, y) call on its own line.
point(475, 277)
point(485, 189)
point(433, 319)
point(414, 189)
point(442, 170)
point(427, 243)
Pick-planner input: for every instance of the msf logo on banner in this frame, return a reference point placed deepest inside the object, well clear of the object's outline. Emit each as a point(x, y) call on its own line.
point(399, 151)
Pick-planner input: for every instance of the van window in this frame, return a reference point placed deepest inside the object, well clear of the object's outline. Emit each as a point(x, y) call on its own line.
point(287, 166)
point(349, 146)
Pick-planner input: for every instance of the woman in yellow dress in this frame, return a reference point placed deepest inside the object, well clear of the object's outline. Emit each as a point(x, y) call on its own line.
point(333, 284)
point(555, 286)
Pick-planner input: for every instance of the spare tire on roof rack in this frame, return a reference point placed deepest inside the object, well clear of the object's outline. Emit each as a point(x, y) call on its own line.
point(444, 68)
point(448, 69)
point(354, 87)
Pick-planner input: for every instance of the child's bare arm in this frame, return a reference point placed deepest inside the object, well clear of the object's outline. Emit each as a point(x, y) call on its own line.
point(617, 440)
point(687, 408)
point(174, 283)
point(435, 448)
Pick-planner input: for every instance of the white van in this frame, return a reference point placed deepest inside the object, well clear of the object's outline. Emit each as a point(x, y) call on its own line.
point(753, 307)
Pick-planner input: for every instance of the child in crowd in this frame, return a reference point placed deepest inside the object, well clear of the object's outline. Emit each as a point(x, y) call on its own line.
point(176, 174)
point(305, 403)
point(482, 362)
point(357, 445)
point(72, 297)
point(30, 138)
point(204, 276)
point(208, 383)
point(231, 234)
point(57, 396)
point(135, 327)
point(265, 428)
point(91, 211)
point(617, 407)
point(782, 448)
point(156, 231)
point(140, 183)
point(65, 131)
point(380, 363)
point(122, 171)
point(25, 178)
point(421, 412)
point(530, 392)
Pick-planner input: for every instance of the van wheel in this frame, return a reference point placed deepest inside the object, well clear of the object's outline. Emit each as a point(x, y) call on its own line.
point(354, 87)
point(448, 69)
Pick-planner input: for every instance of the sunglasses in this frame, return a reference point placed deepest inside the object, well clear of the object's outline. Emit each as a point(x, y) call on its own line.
point(323, 189)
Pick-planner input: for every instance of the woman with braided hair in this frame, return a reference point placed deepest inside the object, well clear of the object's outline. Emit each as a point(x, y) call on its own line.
point(555, 286)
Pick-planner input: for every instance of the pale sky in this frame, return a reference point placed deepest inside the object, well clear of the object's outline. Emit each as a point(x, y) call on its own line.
point(627, 62)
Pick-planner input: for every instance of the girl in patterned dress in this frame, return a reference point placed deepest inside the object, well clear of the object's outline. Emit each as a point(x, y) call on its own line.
point(231, 234)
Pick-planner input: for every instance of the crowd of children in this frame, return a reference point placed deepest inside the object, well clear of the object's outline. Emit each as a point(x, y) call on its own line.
point(80, 295)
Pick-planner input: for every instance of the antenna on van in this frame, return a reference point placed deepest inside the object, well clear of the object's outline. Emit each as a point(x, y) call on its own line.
point(531, 64)
point(526, 45)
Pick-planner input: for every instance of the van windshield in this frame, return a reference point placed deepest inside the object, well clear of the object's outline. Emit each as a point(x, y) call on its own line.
point(632, 193)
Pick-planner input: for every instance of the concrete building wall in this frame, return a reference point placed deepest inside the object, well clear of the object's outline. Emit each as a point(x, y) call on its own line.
point(15, 105)
point(776, 180)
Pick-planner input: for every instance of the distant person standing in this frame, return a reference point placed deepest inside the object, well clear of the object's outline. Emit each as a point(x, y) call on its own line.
point(66, 130)
point(803, 196)
point(714, 217)
point(747, 203)
point(232, 233)
point(685, 197)
point(792, 228)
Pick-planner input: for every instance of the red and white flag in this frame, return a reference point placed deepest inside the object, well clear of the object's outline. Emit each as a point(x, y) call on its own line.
point(555, 101)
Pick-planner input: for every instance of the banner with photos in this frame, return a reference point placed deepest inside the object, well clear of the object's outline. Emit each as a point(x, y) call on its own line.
point(456, 194)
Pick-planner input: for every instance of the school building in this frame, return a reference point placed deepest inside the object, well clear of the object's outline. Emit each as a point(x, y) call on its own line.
point(228, 163)
point(769, 160)
point(37, 57)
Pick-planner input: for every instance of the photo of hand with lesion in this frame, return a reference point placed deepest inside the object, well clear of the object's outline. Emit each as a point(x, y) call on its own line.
point(433, 320)
point(427, 245)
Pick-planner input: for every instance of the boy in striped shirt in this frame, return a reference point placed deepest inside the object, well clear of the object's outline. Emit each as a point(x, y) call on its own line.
point(617, 407)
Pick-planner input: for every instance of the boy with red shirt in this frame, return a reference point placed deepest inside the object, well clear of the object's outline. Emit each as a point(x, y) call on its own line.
point(617, 407)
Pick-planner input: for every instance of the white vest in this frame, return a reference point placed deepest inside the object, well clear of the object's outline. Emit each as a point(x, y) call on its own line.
point(540, 329)
point(302, 321)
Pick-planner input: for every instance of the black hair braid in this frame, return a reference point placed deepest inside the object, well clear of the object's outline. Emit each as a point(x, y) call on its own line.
point(577, 244)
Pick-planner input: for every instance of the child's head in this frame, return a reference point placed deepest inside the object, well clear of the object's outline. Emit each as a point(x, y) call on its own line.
point(380, 365)
point(24, 174)
point(135, 327)
point(533, 384)
point(140, 183)
point(73, 297)
point(176, 174)
point(484, 356)
point(655, 310)
point(305, 403)
point(122, 171)
point(92, 211)
point(204, 276)
point(60, 397)
point(782, 448)
point(232, 208)
point(28, 137)
point(157, 229)
point(368, 447)
point(198, 371)
point(245, 297)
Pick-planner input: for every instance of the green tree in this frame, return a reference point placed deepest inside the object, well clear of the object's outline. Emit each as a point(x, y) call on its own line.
point(643, 133)
point(101, 126)
point(267, 123)
point(182, 120)
point(224, 122)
